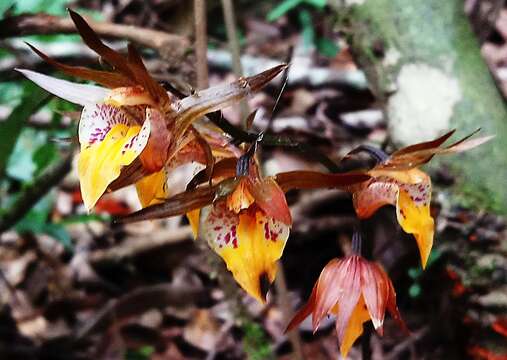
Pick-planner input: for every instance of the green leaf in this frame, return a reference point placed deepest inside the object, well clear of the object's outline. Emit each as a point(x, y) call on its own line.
point(35, 220)
point(10, 91)
point(415, 290)
point(4, 6)
point(84, 218)
point(317, 3)
point(142, 353)
point(435, 254)
point(308, 32)
point(327, 47)
point(284, 7)
point(60, 233)
point(20, 165)
point(414, 273)
point(33, 98)
point(43, 156)
point(53, 7)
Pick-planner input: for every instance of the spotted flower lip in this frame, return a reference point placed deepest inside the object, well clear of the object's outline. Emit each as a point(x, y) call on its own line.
point(354, 290)
point(248, 228)
point(397, 180)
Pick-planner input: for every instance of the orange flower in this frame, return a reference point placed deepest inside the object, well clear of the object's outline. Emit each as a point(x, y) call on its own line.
point(355, 291)
point(396, 180)
point(248, 228)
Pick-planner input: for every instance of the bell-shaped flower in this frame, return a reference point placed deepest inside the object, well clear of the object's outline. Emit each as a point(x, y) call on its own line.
point(355, 291)
point(130, 127)
point(396, 180)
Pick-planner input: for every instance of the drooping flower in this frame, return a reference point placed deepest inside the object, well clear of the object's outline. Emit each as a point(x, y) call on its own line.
point(396, 180)
point(131, 129)
point(244, 217)
point(354, 290)
point(249, 228)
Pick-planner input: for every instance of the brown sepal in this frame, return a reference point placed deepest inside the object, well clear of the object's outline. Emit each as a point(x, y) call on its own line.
point(104, 78)
point(317, 180)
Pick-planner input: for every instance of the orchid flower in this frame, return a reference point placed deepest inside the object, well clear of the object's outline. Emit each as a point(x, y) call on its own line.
point(244, 217)
point(248, 228)
point(397, 180)
point(354, 290)
point(131, 129)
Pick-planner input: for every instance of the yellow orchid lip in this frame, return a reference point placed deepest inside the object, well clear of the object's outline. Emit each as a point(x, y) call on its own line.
point(106, 152)
point(249, 242)
point(397, 181)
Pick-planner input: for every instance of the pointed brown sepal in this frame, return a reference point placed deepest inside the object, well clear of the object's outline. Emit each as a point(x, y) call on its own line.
point(179, 204)
point(91, 39)
point(426, 145)
point(260, 80)
point(316, 180)
point(304, 312)
point(202, 102)
point(132, 67)
point(104, 78)
point(157, 92)
point(129, 175)
point(419, 154)
point(225, 168)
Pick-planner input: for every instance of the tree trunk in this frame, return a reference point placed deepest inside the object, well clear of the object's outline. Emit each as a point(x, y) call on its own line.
point(424, 63)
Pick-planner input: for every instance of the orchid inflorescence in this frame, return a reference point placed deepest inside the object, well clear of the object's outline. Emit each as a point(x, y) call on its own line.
point(133, 132)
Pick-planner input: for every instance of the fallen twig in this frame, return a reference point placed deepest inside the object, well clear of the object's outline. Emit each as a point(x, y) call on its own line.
point(170, 47)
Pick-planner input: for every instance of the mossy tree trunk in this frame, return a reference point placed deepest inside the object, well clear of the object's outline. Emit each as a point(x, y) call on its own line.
point(424, 63)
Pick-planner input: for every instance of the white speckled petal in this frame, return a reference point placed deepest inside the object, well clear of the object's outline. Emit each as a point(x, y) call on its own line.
point(218, 226)
point(138, 142)
point(97, 120)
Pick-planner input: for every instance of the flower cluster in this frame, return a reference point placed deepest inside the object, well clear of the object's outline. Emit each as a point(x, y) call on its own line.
point(133, 132)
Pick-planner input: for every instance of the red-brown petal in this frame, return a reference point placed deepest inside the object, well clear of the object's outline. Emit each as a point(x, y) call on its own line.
point(375, 194)
point(155, 153)
point(375, 288)
point(271, 199)
point(304, 311)
point(349, 298)
point(329, 289)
